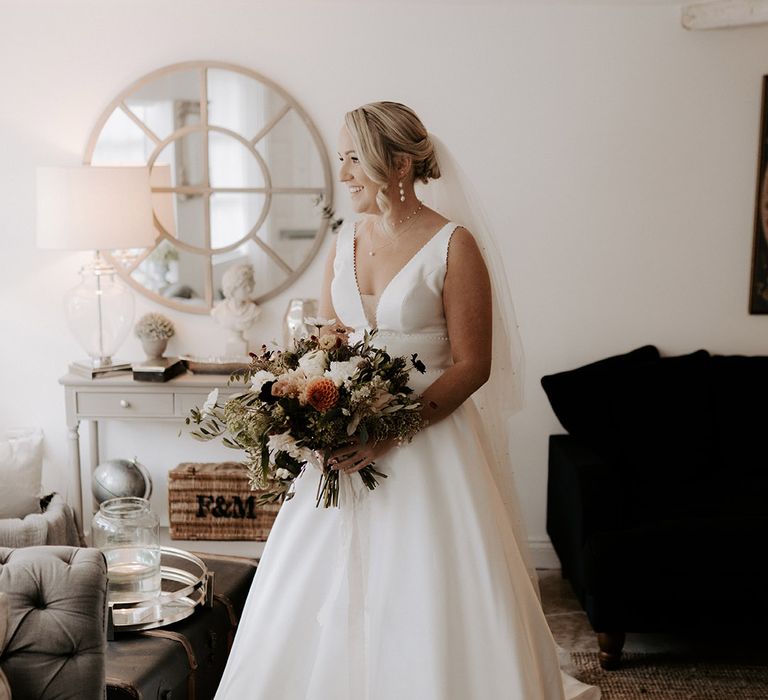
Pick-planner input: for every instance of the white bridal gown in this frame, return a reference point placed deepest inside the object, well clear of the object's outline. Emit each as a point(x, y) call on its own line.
point(413, 591)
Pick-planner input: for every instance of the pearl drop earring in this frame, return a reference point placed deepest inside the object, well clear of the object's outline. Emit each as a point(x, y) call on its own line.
point(402, 191)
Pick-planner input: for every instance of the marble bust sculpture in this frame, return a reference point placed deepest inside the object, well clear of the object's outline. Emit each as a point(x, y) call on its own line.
point(237, 312)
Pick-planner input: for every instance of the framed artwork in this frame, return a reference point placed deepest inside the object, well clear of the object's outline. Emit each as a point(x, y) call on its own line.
point(758, 297)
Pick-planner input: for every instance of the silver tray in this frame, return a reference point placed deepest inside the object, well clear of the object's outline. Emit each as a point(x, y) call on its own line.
point(186, 583)
point(214, 365)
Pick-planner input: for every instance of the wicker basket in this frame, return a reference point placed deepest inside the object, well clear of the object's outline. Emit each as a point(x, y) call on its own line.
point(213, 501)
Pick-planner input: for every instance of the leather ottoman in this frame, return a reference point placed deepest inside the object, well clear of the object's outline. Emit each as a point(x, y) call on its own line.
point(185, 660)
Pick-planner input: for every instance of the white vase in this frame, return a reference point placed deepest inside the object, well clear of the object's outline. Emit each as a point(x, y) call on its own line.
point(154, 349)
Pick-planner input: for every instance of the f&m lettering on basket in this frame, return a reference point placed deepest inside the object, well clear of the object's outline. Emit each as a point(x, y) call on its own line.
point(224, 507)
point(214, 501)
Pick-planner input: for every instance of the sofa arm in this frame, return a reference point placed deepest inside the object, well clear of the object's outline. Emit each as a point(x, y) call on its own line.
point(56, 642)
point(584, 495)
point(55, 525)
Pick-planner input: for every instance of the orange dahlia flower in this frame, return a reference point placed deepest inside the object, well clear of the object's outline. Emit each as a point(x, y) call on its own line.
point(322, 393)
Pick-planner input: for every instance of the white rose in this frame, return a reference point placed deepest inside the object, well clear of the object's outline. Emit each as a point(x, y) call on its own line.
point(210, 403)
point(313, 363)
point(285, 443)
point(260, 379)
point(339, 372)
point(280, 443)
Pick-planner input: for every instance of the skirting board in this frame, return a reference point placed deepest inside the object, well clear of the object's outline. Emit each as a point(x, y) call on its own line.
point(543, 553)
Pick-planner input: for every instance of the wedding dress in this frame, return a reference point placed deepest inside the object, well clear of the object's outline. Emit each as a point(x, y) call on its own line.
point(413, 591)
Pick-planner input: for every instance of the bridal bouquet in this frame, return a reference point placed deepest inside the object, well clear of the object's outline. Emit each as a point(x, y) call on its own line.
point(301, 404)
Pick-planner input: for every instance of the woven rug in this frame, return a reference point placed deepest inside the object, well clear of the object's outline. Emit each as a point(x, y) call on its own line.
point(671, 677)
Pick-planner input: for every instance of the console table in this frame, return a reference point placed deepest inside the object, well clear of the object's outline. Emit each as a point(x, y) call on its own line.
point(121, 398)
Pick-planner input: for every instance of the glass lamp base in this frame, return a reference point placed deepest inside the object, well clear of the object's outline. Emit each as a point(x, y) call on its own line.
point(99, 312)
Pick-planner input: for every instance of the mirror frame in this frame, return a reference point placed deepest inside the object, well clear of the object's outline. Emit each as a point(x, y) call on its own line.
point(325, 192)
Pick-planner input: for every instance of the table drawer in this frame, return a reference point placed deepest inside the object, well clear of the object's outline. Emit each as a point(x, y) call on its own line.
point(123, 404)
point(186, 402)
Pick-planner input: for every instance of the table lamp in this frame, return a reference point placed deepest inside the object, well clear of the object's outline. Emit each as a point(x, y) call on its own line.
point(96, 208)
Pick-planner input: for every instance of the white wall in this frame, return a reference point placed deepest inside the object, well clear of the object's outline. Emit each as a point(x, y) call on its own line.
point(615, 152)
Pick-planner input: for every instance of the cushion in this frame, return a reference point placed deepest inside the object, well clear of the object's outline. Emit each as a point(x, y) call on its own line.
point(21, 464)
point(649, 413)
point(5, 688)
point(582, 398)
point(662, 416)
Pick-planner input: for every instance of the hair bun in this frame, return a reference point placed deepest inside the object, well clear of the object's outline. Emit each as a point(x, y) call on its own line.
point(427, 168)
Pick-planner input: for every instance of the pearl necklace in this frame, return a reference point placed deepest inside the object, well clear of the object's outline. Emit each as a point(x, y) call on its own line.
point(372, 252)
point(413, 213)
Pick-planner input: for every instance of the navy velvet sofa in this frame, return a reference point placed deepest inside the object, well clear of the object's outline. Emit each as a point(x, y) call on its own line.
point(657, 502)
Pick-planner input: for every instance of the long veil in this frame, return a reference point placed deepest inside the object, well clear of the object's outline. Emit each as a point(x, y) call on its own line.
point(454, 197)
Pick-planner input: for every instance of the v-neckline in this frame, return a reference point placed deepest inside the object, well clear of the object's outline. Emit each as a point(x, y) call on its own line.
point(392, 279)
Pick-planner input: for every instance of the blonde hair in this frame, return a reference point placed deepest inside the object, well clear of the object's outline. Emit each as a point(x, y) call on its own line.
point(383, 131)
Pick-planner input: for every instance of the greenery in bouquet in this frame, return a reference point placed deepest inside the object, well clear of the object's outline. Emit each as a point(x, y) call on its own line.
point(300, 404)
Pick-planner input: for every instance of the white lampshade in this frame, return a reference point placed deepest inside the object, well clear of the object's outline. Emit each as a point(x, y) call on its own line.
point(94, 208)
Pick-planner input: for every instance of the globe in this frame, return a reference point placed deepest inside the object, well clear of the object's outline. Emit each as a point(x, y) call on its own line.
point(120, 478)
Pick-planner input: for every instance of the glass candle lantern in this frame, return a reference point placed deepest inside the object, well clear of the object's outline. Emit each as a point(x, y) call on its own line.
point(294, 327)
point(128, 533)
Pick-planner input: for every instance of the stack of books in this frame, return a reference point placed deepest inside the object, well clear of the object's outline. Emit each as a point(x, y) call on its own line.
point(160, 370)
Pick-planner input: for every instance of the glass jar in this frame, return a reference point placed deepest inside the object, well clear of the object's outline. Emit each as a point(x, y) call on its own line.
point(128, 533)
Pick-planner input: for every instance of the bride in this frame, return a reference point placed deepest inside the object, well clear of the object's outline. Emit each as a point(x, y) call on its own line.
point(421, 589)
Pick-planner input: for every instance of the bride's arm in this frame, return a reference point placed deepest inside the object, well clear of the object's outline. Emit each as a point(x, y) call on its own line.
point(468, 314)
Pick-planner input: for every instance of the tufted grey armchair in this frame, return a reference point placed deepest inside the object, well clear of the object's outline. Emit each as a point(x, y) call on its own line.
point(56, 639)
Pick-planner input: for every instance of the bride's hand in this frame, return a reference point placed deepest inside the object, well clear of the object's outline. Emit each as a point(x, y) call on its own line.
point(353, 458)
point(335, 328)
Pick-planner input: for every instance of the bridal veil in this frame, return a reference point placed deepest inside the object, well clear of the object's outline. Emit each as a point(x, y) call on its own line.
point(453, 196)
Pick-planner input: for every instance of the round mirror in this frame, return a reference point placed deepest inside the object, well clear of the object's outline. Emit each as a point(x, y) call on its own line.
point(239, 175)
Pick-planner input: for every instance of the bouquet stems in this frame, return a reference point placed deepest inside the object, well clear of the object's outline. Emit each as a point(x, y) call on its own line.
point(328, 488)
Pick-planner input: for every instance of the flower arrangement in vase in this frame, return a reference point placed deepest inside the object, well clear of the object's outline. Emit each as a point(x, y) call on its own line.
point(154, 330)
